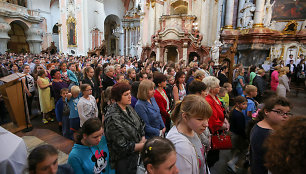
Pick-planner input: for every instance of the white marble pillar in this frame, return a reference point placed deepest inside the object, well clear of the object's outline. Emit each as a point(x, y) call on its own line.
point(240, 7)
point(121, 42)
point(34, 38)
point(229, 14)
point(157, 51)
point(4, 38)
point(185, 51)
point(259, 14)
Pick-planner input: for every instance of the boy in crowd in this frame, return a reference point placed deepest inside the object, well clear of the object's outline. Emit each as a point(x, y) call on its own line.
point(251, 92)
point(62, 112)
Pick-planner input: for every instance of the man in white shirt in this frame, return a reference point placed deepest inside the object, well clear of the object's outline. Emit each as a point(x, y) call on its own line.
point(289, 59)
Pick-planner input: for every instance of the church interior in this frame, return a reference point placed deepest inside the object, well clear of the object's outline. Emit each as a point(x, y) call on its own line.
point(250, 32)
point(166, 30)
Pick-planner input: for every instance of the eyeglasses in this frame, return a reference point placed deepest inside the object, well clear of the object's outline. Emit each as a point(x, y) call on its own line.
point(88, 90)
point(282, 113)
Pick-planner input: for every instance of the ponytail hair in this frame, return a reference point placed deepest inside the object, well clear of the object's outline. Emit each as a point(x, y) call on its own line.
point(90, 126)
point(192, 105)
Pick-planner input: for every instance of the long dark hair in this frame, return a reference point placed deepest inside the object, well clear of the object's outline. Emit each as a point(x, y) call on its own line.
point(177, 76)
point(90, 126)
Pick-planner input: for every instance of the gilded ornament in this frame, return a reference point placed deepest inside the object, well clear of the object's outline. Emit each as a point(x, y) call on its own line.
point(290, 27)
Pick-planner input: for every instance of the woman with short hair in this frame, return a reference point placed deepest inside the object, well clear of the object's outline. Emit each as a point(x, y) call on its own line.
point(124, 131)
point(161, 98)
point(217, 122)
point(147, 108)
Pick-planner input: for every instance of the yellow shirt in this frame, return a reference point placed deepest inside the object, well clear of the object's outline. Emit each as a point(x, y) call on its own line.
point(226, 100)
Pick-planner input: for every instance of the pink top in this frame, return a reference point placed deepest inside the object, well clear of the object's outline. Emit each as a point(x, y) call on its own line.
point(274, 80)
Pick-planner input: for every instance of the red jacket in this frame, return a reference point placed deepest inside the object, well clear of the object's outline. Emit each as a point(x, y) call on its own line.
point(162, 104)
point(216, 120)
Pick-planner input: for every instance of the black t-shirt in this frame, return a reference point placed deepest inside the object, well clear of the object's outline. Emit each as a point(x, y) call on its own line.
point(258, 136)
point(237, 123)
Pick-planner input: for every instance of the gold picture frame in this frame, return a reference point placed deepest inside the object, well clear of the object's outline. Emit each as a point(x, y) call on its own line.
point(71, 32)
point(290, 27)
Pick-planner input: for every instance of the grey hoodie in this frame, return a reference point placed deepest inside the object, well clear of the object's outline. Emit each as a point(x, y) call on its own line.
point(186, 158)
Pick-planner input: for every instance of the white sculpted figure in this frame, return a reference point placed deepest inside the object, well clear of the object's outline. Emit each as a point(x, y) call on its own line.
point(247, 14)
point(215, 50)
point(268, 13)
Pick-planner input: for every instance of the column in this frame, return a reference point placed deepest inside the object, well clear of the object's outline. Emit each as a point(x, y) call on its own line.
point(121, 42)
point(157, 51)
point(229, 14)
point(165, 55)
point(185, 52)
point(4, 38)
point(34, 38)
point(241, 4)
point(259, 14)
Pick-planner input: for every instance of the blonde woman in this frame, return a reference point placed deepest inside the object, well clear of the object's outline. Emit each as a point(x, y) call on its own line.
point(147, 108)
point(283, 82)
point(44, 93)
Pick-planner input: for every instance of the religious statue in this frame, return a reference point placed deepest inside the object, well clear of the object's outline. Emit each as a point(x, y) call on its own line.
point(268, 13)
point(215, 50)
point(247, 14)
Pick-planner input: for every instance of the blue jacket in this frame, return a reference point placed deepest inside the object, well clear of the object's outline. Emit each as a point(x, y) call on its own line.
point(94, 159)
point(72, 76)
point(150, 114)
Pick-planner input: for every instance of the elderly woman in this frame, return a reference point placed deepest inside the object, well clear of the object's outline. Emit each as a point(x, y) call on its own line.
point(199, 75)
point(161, 98)
point(44, 93)
point(108, 79)
point(147, 108)
point(217, 121)
point(124, 131)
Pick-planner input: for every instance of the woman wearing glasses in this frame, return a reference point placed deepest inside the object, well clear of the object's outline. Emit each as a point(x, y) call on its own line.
point(275, 112)
point(87, 106)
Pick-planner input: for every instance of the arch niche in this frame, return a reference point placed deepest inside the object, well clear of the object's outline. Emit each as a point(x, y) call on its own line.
point(17, 42)
point(191, 56)
point(172, 54)
point(111, 24)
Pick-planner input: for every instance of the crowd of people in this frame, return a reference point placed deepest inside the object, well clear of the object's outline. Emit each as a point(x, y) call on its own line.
point(127, 115)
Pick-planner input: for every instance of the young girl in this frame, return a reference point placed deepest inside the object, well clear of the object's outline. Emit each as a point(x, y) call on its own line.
point(44, 159)
point(237, 127)
point(159, 156)
point(90, 152)
point(190, 118)
point(87, 106)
